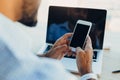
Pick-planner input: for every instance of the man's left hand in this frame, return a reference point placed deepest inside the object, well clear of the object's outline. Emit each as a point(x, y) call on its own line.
point(60, 48)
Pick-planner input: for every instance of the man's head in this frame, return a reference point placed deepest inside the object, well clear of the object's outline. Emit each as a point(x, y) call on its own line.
point(24, 11)
point(29, 12)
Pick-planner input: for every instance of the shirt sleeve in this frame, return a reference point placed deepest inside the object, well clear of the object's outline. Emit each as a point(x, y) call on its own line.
point(17, 62)
point(54, 70)
point(88, 76)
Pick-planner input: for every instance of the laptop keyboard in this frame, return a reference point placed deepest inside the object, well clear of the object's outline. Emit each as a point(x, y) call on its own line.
point(73, 57)
point(95, 53)
point(48, 48)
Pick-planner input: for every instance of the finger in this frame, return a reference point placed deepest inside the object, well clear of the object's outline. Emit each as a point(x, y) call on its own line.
point(79, 56)
point(62, 49)
point(88, 43)
point(63, 40)
point(88, 40)
point(79, 50)
point(67, 35)
point(69, 53)
point(68, 42)
point(88, 47)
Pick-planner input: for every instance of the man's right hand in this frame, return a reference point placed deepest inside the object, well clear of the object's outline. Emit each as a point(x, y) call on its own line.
point(84, 58)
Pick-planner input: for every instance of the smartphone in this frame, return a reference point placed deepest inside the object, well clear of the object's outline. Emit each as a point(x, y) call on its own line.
point(80, 33)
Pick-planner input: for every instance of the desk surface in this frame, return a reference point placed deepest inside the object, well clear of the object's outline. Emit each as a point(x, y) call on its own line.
point(111, 58)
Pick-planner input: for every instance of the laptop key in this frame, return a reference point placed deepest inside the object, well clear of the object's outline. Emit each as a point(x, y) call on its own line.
point(95, 56)
point(48, 48)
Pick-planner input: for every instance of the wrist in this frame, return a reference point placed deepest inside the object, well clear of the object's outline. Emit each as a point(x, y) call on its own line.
point(85, 70)
point(89, 76)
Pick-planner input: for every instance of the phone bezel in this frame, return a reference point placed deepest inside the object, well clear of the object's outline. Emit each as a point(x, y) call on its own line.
point(83, 23)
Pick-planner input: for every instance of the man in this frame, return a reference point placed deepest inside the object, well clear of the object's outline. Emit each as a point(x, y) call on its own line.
point(18, 62)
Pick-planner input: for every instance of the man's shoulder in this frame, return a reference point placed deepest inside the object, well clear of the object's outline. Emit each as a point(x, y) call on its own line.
point(54, 70)
point(53, 63)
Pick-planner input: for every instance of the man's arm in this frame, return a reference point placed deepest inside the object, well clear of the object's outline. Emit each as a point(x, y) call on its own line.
point(59, 49)
point(83, 57)
point(84, 61)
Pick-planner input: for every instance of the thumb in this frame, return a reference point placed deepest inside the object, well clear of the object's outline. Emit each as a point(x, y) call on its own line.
point(79, 50)
point(61, 50)
point(88, 43)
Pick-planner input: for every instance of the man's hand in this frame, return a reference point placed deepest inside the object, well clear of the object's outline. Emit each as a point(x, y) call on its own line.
point(84, 58)
point(60, 48)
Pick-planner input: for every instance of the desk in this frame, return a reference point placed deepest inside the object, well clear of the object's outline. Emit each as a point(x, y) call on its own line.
point(111, 59)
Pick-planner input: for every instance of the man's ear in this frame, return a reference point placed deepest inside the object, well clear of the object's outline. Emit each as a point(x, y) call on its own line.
point(30, 11)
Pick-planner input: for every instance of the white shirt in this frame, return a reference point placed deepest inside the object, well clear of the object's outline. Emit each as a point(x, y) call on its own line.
point(17, 61)
point(34, 34)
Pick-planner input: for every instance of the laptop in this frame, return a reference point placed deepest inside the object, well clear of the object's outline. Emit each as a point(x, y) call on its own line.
point(62, 20)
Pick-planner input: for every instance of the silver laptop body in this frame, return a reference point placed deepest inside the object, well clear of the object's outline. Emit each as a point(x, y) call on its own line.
point(58, 18)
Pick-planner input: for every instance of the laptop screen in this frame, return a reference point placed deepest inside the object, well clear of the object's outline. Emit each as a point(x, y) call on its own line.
point(62, 20)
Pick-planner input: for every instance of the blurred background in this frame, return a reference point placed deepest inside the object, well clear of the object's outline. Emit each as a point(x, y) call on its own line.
point(112, 7)
point(112, 21)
